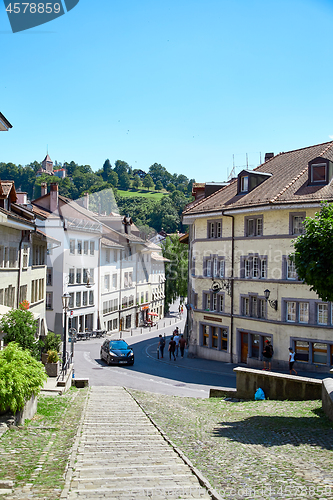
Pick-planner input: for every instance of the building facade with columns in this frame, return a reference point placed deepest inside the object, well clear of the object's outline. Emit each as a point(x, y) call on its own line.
point(243, 286)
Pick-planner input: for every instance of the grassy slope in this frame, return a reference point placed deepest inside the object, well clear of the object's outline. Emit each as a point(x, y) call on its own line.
point(151, 195)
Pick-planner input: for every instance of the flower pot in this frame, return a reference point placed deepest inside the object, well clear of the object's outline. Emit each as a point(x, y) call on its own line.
point(52, 369)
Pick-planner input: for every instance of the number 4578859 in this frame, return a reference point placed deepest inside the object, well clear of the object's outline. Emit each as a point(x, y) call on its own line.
point(33, 8)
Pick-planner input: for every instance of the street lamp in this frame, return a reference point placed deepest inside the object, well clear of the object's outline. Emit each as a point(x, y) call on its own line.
point(272, 303)
point(65, 303)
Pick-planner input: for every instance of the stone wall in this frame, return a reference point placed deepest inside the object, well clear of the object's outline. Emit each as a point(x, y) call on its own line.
point(276, 385)
point(327, 397)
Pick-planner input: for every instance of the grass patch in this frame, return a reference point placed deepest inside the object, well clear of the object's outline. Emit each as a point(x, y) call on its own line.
point(151, 195)
point(37, 453)
point(237, 445)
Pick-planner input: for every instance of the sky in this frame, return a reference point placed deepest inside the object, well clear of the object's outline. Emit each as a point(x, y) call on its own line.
point(195, 85)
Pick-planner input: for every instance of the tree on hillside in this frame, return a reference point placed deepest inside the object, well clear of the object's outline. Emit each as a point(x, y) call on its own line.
point(171, 187)
point(113, 178)
point(137, 181)
point(313, 254)
point(124, 181)
point(159, 173)
point(158, 186)
point(176, 271)
point(148, 182)
point(165, 216)
point(107, 169)
point(121, 167)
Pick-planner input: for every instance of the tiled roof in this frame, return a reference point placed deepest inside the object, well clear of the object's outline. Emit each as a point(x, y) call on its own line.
point(109, 243)
point(288, 183)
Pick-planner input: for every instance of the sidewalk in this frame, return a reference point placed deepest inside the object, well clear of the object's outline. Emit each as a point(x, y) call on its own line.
point(120, 454)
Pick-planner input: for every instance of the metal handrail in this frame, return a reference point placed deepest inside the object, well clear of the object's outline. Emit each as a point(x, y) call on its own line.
point(69, 358)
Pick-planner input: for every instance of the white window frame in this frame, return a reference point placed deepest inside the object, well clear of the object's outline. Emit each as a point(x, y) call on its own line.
point(291, 311)
point(322, 313)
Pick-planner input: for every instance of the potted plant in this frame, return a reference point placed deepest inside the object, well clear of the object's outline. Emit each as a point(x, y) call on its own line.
point(51, 342)
point(52, 365)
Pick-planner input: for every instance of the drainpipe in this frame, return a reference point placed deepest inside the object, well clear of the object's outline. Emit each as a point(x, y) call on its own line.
point(19, 271)
point(231, 282)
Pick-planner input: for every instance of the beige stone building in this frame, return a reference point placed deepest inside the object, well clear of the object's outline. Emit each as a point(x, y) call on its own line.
point(243, 288)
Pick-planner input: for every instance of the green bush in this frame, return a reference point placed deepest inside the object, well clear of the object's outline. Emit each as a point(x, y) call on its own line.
point(52, 357)
point(19, 326)
point(21, 376)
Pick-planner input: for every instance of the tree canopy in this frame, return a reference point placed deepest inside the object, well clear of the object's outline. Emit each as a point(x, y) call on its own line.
point(313, 254)
point(176, 271)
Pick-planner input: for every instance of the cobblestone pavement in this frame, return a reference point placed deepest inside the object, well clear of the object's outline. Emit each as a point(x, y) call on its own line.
point(119, 454)
point(251, 450)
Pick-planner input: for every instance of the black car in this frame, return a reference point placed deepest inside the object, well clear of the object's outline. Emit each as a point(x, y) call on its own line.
point(117, 352)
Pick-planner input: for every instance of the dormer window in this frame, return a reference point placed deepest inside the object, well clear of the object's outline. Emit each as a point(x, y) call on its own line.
point(244, 183)
point(250, 179)
point(318, 173)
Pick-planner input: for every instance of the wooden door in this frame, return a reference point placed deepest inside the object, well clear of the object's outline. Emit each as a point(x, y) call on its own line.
point(244, 347)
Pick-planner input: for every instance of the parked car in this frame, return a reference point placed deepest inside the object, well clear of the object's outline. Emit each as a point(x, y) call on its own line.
point(117, 352)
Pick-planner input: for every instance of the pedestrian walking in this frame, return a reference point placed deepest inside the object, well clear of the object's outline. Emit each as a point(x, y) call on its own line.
point(176, 338)
point(161, 345)
point(182, 345)
point(267, 355)
point(171, 349)
point(292, 355)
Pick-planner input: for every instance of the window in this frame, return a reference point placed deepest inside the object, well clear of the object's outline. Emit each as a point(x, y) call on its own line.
point(322, 315)
point(291, 311)
point(214, 302)
point(71, 300)
point(78, 299)
point(107, 255)
point(298, 227)
point(91, 276)
point(291, 270)
point(115, 324)
point(215, 337)
point(221, 300)
point(244, 187)
point(72, 247)
point(91, 297)
point(1, 296)
point(254, 226)
point(41, 289)
point(49, 300)
point(92, 247)
point(222, 268)
point(302, 350)
point(85, 247)
point(209, 268)
point(71, 276)
point(207, 301)
point(49, 276)
point(304, 312)
point(205, 332)
point(79, 247)
point(25, 256)
point(85, 275)
point(147, 297)
point(5, 258)
point(246, 306)
point(34, 290)
point(319, 353)
point(255, 345)
point(126, 280)
point(215, 268)
point(106, 282)
point(10, 296)
point(130, 279)
point(78, 276)
point(85, 298)
point(263, 268)
point(214, 229)
point(23, 293)
point(318, 173)
point(12, 256)
point(262, 308)
point(114, 281)
point(253, 267)
point(128, 321)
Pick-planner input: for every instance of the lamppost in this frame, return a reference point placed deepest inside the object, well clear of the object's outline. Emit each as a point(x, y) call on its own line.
point(65, 302)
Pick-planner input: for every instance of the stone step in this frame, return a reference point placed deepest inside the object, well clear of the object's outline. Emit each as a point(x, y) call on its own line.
point(130, 472)
point(141, 494)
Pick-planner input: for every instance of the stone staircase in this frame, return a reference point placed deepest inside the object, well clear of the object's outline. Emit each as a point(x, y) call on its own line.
point(119, 454)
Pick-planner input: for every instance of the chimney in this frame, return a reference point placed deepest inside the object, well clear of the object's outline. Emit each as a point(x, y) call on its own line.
point(86, 201)
point(43, 188)
point(54, 197)
point(268, 156)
